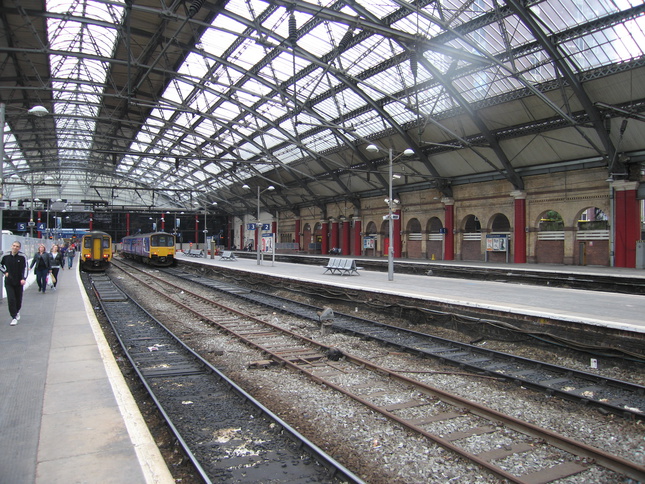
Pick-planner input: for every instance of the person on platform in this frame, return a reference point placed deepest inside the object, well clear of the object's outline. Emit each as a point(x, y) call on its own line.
point(42, 262)
point(70, 254)
point(57, 261)
point(14, 267)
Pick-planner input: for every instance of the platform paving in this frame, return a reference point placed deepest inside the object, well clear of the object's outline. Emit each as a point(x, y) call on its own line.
point(66, 414)
point(598, 308)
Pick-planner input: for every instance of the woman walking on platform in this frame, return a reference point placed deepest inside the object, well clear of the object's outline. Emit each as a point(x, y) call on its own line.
point(42, 261)
point(57, 261)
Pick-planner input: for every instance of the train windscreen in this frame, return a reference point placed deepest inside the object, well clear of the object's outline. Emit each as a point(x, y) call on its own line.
point(162, 240)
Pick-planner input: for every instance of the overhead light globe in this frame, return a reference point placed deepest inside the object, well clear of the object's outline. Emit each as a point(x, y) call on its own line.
point(372, 148)
point(39, 111)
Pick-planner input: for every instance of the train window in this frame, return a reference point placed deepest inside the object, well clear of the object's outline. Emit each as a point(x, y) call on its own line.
point(87, 242)
point(162, 241)
point(106, 242)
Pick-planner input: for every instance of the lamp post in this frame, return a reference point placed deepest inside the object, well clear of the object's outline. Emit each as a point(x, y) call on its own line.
point(390, 202)
point(258, 227)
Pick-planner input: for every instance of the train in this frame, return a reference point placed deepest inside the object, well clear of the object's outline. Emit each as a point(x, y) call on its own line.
point(96, 252)
point(156, 248)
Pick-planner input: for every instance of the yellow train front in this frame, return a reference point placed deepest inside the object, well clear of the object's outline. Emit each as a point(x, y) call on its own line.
point(157, 248)
point(96, 251)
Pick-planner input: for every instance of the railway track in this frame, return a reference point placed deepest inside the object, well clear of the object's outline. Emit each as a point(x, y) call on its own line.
point(611, 395)
point(444, 418)
point(227, 434)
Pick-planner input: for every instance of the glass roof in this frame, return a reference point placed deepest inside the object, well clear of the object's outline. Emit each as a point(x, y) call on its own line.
point(192, 103)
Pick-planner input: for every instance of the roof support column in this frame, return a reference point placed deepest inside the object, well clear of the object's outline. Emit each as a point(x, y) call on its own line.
point(626, 224)
point(449, 240)
point(519, 227)
point(334, 234)
point(358, 239)
point(324, 237)
point(297, 234)
point(345, 237)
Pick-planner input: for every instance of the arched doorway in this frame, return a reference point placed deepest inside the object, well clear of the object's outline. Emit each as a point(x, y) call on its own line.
point(434, 247)
point(471, 241)
point(306, 238)
point(592, 238)
point(370, 240)
point(549, 247)
point(498, 246)
point(414, 239)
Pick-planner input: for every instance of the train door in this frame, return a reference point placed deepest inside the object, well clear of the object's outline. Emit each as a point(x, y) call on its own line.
point(97, 248)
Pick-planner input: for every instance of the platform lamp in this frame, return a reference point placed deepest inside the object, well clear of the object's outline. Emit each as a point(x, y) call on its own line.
point(390, 202)
point(258, 227)
point(35, 111)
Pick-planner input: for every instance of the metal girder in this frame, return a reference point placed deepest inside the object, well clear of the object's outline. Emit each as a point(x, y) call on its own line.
point(564, 67)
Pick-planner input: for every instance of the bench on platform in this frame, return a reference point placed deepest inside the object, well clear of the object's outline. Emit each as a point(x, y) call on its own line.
point(345, 267)
point(194, 253)
point(227, 255)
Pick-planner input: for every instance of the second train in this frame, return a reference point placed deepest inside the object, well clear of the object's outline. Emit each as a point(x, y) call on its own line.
point(157, 248)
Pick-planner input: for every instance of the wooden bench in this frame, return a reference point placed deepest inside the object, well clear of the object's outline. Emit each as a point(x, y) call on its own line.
point(227, 255)
point(345, 267)
point(194, 253)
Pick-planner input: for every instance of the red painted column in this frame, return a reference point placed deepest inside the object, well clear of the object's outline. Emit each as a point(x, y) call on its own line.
point(449, 239)
point(396, 234)
point(334, 234)
point(519, 227)
point(38, 215)
point(163, 223)
point(297, 234)
point(127, 223)
point(358, 238)
point(626, 224)
point(91, 221)
point(196, 229)
point(345, 246)
point(324, 232)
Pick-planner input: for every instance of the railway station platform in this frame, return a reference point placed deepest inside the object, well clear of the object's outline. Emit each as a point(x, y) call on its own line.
point(66, 414)
point(597, 308)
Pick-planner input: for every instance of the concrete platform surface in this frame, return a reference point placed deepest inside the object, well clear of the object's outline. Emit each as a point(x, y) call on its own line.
point(66, 413)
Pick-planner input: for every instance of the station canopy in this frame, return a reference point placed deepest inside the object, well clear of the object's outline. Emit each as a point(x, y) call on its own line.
point(204, 104)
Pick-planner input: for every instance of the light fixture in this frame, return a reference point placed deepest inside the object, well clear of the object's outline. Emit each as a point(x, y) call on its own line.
point(39, 111)
point(390, 201)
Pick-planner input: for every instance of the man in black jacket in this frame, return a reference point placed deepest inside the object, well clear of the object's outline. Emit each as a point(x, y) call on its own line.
point(14, 266)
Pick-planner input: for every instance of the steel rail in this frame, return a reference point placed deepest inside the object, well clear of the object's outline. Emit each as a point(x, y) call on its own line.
point(615, 463)
point(333, 467)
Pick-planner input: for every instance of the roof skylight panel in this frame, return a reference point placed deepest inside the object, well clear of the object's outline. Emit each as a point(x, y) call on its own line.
point(323, 38)
point(321, 141)
point(457, 12)
point(360, 57)
point(535, 67)
point(218, 39)
point(423, 22)
point(559, 15)
point(314, 83)
point(287, 154)
point(615, 44)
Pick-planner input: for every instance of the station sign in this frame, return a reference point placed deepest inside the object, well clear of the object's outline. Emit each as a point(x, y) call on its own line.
point(255, 226)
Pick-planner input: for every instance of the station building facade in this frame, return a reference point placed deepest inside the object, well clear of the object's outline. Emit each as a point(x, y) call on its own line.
point(576, 217)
